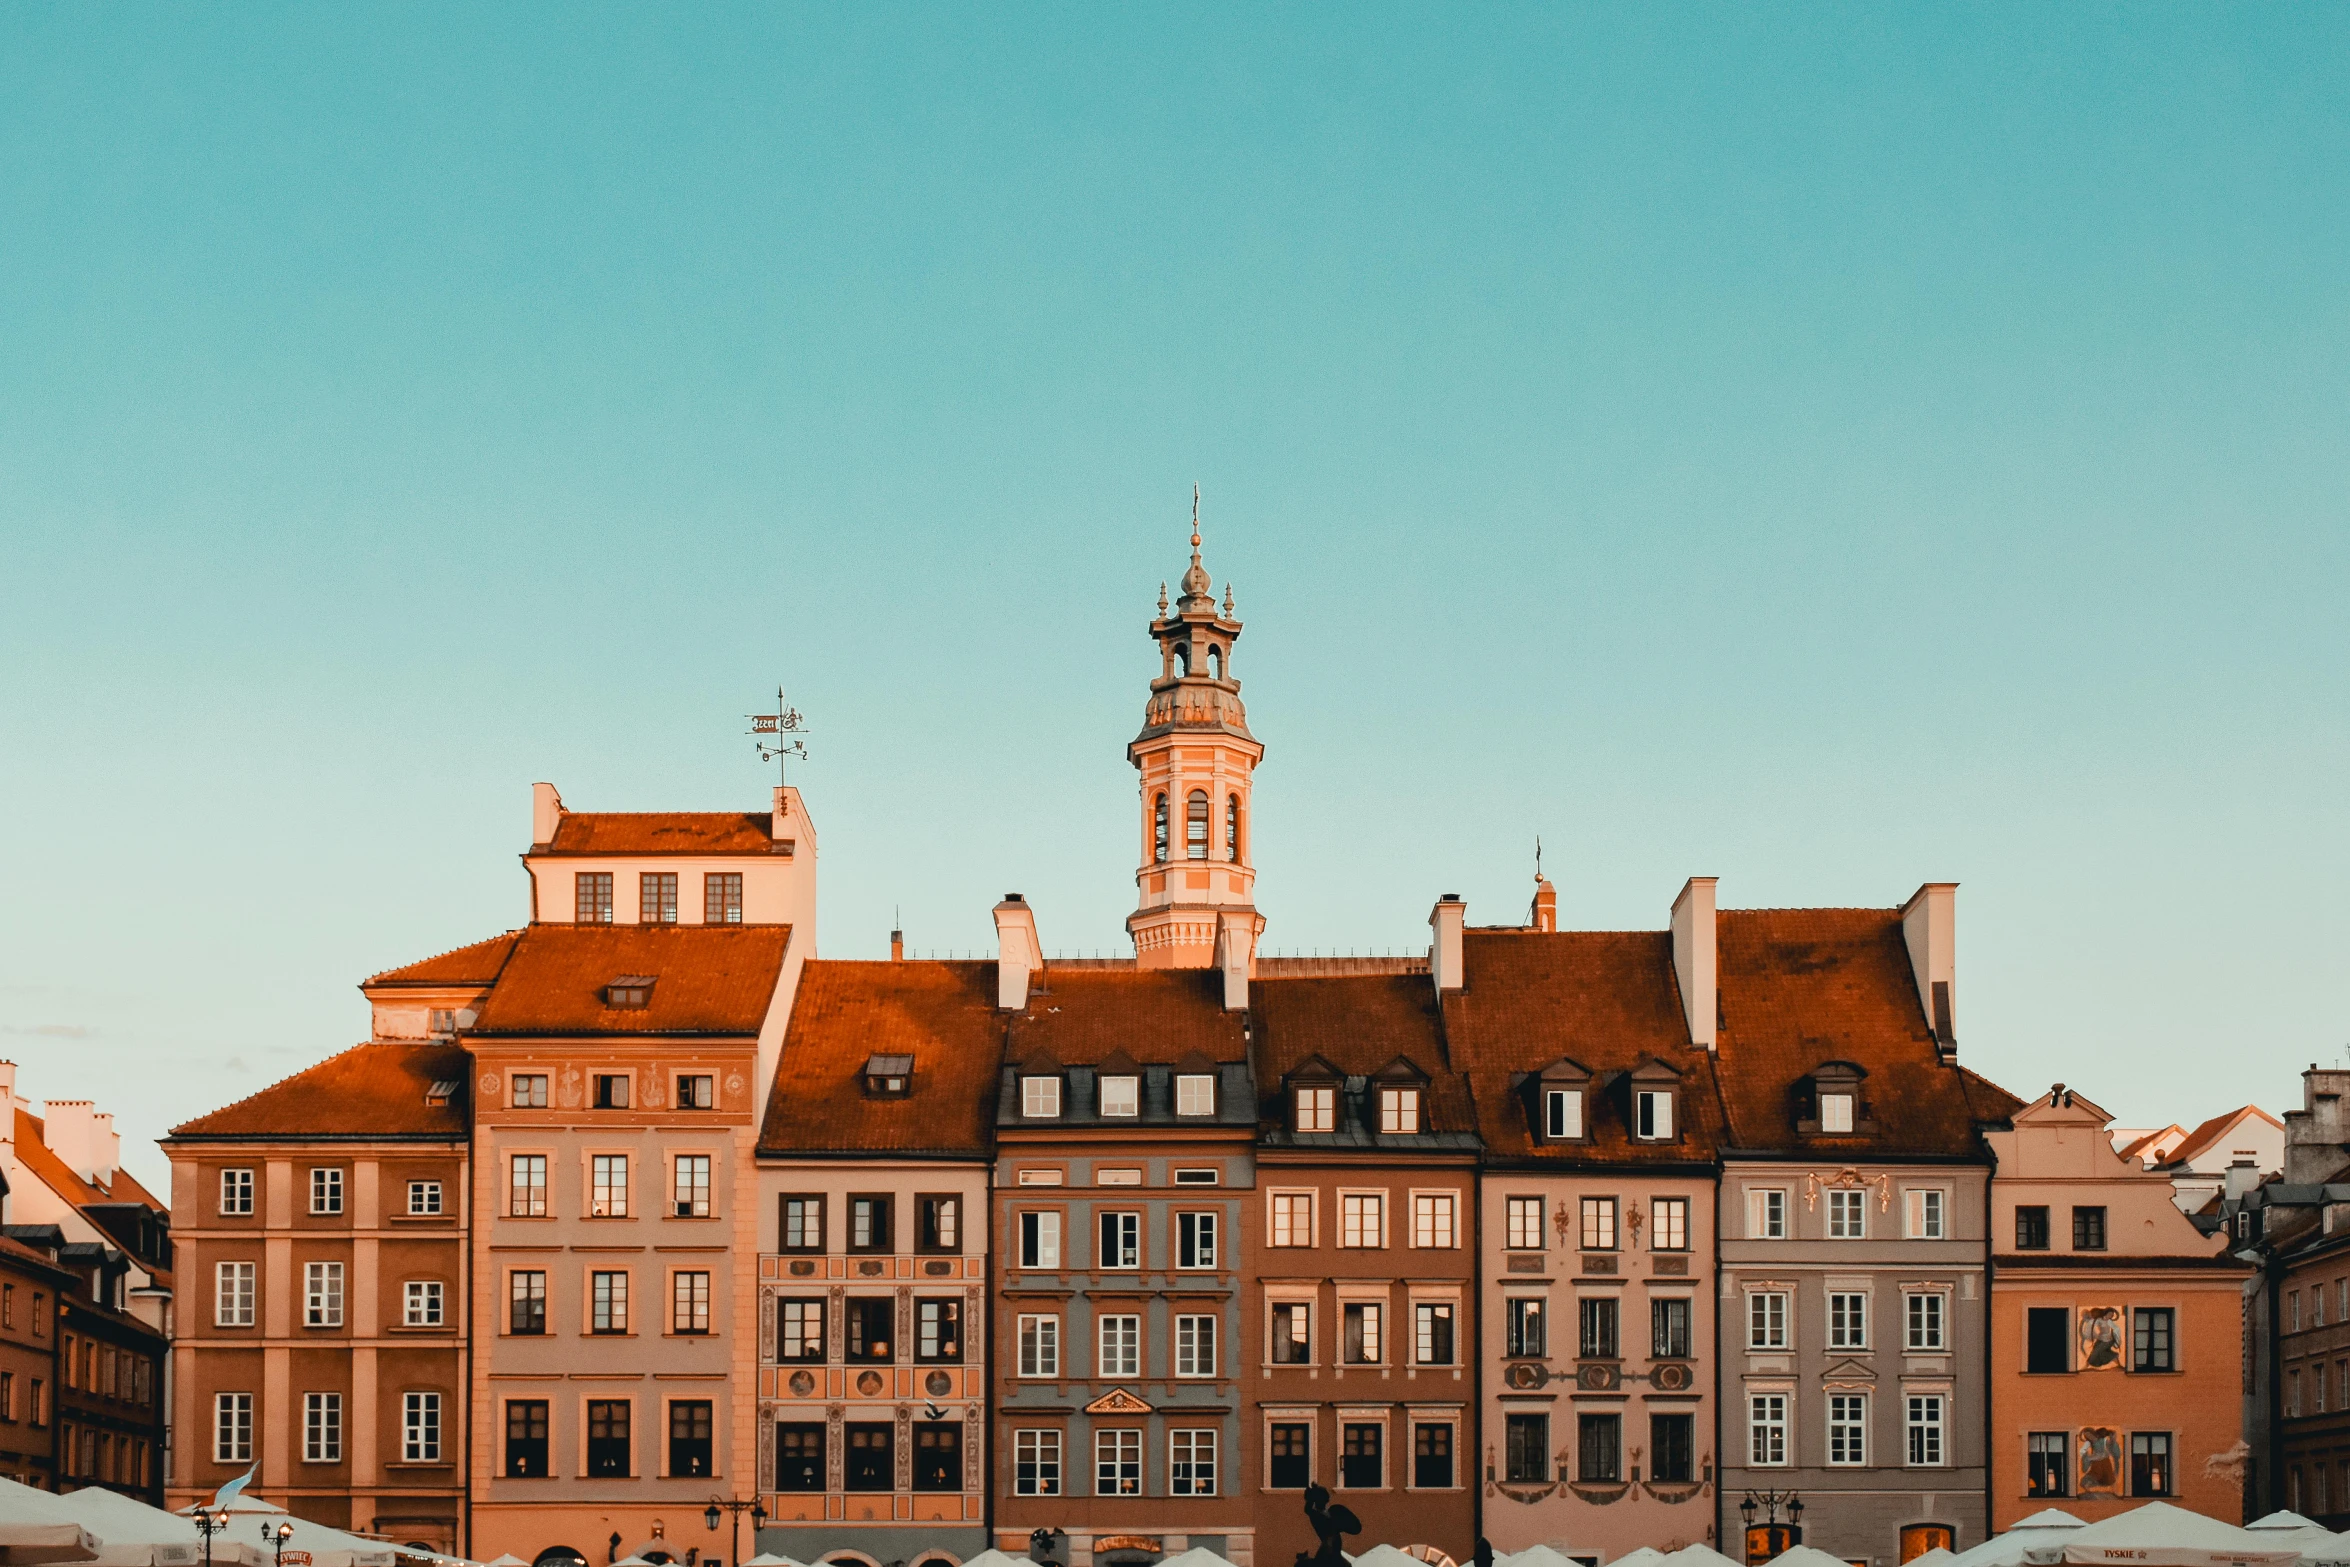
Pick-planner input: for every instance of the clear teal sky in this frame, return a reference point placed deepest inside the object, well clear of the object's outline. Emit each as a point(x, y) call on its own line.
point(1827, 449)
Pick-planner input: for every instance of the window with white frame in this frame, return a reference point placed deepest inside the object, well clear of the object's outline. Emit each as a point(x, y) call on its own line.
point(236, 1192)
point(424, 1199)
point(1924, 1312)
point(1317, 1108)
point(1040, 1345)
point(1121, 1095)
point(1766, 1213)
point(1599, 1223)
point(1363, 1320)
point(1562, 1114)
point(1040, 1098)
point(322, 1294)
point(1121, 1241)
point(1766, 1319)
point(1523, 1223)
point(1195, 1240)
point(232, 1428)
point(1668, 1227)
point(1195, 1093)
point(1036, 1463)
point(1040, 1239)
point(1117, 1463)
point(1195, 1346)
point(421, 1303)
point(322, 1428)
point(1848, 1429)
point(326, 1191)
point(1293, 1219)
point(1362, 1219)
point(1120, 1346)
point(1926, 1206)
point(1848, 1319)
point(1432, 1333)
point(232, 1294)
point(1291, 1336)
point(799, 1331)
point(1925, 1430)
point(1766, 1430)
point(1433, 1220)
point(1191, 1462)
point(608, 1186)
point(529, 1090)
point(1835, 1114)
point(1399, 1111)
point(526, 1186)
point(1848, 1215)
point(690, 1186)
point(1652, 1115)
point(420, 1428)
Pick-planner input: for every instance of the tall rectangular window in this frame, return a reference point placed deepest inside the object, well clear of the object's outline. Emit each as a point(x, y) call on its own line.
point(938, 1330)
point(232, 1295)
point(690, 1442)
point(1121, 1241)
point(526, 1186)
point(1195, 1346)
point(1361, 1463)
point(1925, 1430)
point(1117, 1463)
point(1432, 1332)
point(421, 1303)
point(1040, 1346)
point(2089, 1231)
point(722, 898)
point(803, 1223)
point(938, 1222)
point(938, 1455)
point(1120, 1346)
point(1432, 1457)
point(1766, 1430)
point(591, 898)
point(1926, 1213)
point(1293, 1219)
point(1364, 1321)
point(1848, 1215)
point(1526, 1449)
point(1848, 1429)
point(1362, 1219)
point(1766, 1320)
point(2048, 1334)
point(869, 1226)
point(1289, 1459)
point(1562, 1114)
point(608, 1186)
point(1766, 1213)
point(2048, 1463)
point(1195, 1240)
point(322, 1428)
point(1433, 1220)
point(1848, 1320)
point(869, 1465)
point(1668, 1227)
point(608, 1438)
point(1599, 1448)
point(1526, 1318)
point(1668, 1328)
point(608, 1302)
point(870, 1321)
point(2152, 1336)
point(689, 1187)
point(1598, 1320)
point(420, 1428)
point(236, 1192)
point(322, 1294)
point(526, 1301)
point(528, 1090)
point(326, 1190)
point(1522, 1222)
point(689, 1302)
point(2150, 1470)
point(799, 1330)
point(1293, 1333)
point(656, 898)
point(1925, 1313)
point(526, 1439)
point(1599, 1223)
point(1191, 1462)
point(799, 1455)
point(232, 1428)
point(1036, 1463)
point(1672, 1443)
point(1040, 1239)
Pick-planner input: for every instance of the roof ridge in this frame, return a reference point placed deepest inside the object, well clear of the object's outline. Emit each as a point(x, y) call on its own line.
point(290, 1076)
point(719, 812)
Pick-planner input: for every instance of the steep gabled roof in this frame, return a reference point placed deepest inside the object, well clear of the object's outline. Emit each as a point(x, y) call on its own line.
point(373, 1090)
point(34, 1153)
point(1157, 1016)
point(940, 1013)
point(707, 979)
point(1364, 1026)
point(662, 832)
point(2205, 1137)
point(1801, 987)
point(477, 964)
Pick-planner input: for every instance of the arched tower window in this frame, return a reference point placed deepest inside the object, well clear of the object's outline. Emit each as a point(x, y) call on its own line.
point(1159, 830)
point(1215, 662)
point(1195, 826)
point(1183, 659)
point(1232, 828)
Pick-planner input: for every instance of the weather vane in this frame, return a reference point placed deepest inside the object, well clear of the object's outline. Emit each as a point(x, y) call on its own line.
point(785, 720)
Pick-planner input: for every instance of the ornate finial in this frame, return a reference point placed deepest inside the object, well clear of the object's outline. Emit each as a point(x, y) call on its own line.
point(1195, 521)
point(1227, 601)
point(1162, 601)
point(1198, 590)
point(1538, 856)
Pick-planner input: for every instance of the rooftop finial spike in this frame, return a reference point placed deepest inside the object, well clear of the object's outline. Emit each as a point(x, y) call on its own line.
point(1195, 520)
point(1538, 856)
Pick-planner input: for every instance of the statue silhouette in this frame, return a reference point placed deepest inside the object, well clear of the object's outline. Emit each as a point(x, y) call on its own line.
point(1331, 1523)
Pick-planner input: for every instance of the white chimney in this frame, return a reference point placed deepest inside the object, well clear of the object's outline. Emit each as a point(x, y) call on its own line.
point(1235, 939)
point(779, 814)
point(83, 1140)
point(1017, 952)
point(1694, 958)
point(1929, 924)
point(1444, 952)
point(546, 813)
point(7, 1103)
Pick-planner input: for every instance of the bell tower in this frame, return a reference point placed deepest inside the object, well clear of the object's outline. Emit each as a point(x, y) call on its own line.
point(1197, 880)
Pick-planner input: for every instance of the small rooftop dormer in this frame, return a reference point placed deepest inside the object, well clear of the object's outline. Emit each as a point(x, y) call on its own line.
point(1399, 1099)
point(1313, 1088)
point(1652, 1101)
point(889, 1076)
point(630, 992)
point(1829, 1103)
point(1557, 1100)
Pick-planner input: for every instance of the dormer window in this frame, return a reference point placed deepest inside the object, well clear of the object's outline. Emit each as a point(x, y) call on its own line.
point(1562, 1114)
point(438, 1094)
point(1835, 1113)
point(1121, 1095)
point(1560, 1099)
point(889, 1077)
point(1652, 1115)
point(1399, 1111)
point(1316, 1108)
point(1829, 1103)
point(1195, 1093)
point(630, 991)
point(1040, 1098)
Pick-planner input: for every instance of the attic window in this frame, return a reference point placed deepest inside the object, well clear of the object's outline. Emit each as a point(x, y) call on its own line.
point(440, 1091)
point(1399, 1110)
point(1121, 1095)
point(630, 990)
point(1317, 1107)
point(1835, 1107)
point(1835, 1113)
point(889, 1076)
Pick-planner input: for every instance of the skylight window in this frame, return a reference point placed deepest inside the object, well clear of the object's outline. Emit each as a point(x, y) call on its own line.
point(630, 990)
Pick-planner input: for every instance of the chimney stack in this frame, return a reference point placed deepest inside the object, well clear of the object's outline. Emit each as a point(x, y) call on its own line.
point(1694, 959)
point(1235, 953)
point(897, 946)
point(7, 1103)
point(83, 1140)
point(1017, 952)
point(1546, 906)
point(1444, 952)
point(546, 813)
point(1929, 926)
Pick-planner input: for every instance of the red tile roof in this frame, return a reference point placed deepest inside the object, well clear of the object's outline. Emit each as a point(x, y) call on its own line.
point(1157, 1016)
point(942, 1014)
point(32, 1149)
point(707, 979)
point(1359, 1024)
point(1605, 999)
point(2200, 1140)
point(477, 964)
point(1802, 987)
point(371, 1090)
point(663, 832)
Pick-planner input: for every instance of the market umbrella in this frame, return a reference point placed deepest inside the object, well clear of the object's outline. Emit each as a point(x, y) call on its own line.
point(1699, 1556)
point(1806, 1556)
point(763, 1559)
point(1535, 1556)
point(990, 1558)
point(36, 1527)
point(1646, 1556)
point(1197, 1556)
point(2048, 1525)
point(2160, 1535)
point(137, 1535)
point(308, 1545)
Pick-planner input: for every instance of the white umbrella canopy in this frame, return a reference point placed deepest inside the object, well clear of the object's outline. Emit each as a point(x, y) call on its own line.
point(2007, 1550)
point(36, 1527)
point(1699, 1556)
point(1937, 1557)
point(1806, 1556)
point(509, 1559)
point(1197, 1556)
point(2160, 1535)
point(990, 1558)
point(1535, 1556)
point(322, 1545)
point(1646, 1556)
point(137, 1535)
point(763, 1559)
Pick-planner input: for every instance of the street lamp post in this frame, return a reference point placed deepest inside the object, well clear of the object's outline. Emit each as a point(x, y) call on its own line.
point(278, 1536)
point(754, 1507)
point(1772, 1538)
point(209, 1523)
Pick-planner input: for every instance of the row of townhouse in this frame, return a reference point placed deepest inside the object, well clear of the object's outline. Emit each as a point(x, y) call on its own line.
point(640, 1216)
